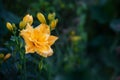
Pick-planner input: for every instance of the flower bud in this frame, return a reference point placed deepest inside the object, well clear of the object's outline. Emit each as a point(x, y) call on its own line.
point(41, 18)
point(28, 19)
point(51, 16)
point(53, 24)
point(9, 26)
point(22, 25)
point(75, 38)
point(1, 55)
point(14, 26)
point(7, 56)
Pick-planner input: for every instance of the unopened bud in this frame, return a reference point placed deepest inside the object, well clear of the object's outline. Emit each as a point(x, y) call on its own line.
point(1, 55)
point(51, 16)
point(53, 24)
point(7, 56)
point(41, 18)
point(22, 25)
point(28, 19)
point(75, 38)
point(9, 26)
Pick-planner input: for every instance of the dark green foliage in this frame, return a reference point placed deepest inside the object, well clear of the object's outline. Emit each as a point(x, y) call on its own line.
point(96, 56)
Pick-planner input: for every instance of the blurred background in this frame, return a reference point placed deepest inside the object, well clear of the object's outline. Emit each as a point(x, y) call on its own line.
point(88, 47)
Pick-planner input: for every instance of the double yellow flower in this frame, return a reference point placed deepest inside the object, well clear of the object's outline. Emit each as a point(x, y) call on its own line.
point(38, 39)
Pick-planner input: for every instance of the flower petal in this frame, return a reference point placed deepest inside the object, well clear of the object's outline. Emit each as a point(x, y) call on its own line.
point(44, 50)
point(43, 28)
point(43, 32)
point(52, 39)
point(26, 34)
point(30, 48)
point(29, 27)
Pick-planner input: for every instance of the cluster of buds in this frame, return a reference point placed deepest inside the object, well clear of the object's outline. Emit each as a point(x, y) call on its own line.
point(29, 19)
point(52, 20)
point(5, 57)
point(51, 17)
point(10, 26)
point(74, 37)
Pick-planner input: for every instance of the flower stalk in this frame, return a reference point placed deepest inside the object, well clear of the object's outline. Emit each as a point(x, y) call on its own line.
point(37, 40)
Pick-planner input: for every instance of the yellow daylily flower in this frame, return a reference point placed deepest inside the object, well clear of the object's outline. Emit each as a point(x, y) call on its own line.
point(41, 17)
point(28, 19)
point(38, 39)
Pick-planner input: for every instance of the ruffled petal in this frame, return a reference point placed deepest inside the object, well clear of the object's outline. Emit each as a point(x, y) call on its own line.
point(43, 32)
point(52, 39)
point(44, 50)
point(26, 34)
point(29, 27)
point(29, 48)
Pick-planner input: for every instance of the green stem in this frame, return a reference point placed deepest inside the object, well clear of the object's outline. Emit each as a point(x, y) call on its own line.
point(22, 60)
point(22, 55)
point(23, 63)
point(40, 67)
point(24, 66)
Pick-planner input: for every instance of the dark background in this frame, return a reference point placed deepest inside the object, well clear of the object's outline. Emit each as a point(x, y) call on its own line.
point(96, 56)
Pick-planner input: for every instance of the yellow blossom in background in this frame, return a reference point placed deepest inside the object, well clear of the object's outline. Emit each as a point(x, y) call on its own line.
point(1, 55)
point(7, 56)
point(9, 26)
point(75, 38)
point(28, 19)
point(41, 17)
point(53, 24)
point(38, 39)
point(72, 33)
